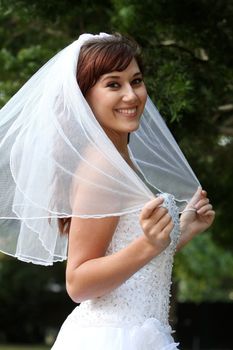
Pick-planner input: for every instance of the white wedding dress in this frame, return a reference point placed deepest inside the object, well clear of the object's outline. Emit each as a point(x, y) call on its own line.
point(135, 315)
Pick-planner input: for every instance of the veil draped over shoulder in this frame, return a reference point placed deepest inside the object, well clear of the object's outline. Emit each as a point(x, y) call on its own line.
point(56, 162)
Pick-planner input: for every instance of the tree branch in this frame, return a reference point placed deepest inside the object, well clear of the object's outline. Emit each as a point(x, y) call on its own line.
point(199, 53)
point(226, 130)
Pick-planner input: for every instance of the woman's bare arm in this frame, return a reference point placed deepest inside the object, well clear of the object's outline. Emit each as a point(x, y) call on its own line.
point(90, 273)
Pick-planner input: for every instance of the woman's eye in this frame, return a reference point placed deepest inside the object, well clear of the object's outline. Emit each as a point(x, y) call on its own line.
point(113, 85)
point(137, 81)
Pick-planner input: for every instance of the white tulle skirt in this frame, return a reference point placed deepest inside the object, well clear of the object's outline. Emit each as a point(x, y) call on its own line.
point(151, 335)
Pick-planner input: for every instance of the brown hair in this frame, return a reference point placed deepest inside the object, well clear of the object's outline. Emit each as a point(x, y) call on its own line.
point(105, 55)
point(98, 57)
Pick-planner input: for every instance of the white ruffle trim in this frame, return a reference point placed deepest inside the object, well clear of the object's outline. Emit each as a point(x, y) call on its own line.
point(152, 335)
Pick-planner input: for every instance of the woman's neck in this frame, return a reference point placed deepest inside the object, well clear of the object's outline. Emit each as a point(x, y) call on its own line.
point(120, 141)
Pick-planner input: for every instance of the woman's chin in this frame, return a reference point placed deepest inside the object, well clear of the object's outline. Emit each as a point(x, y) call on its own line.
point(133, 127)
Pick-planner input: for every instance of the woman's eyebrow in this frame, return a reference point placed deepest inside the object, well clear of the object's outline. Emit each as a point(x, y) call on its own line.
point(118, 76)
point(111, 77)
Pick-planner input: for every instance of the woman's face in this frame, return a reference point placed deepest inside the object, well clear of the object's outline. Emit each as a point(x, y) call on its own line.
point(118, 99)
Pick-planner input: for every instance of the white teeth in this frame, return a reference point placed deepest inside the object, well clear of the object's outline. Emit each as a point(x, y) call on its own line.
point(127, 111)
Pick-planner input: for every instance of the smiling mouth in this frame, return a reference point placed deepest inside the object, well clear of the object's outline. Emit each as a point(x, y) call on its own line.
point(127, 111)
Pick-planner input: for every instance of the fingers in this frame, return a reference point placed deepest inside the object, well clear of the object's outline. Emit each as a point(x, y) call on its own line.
point(203, 206)
point(150, 207)
point(204, 209)
point(165, 224)
point(168, 228)
point(203, 193)
point(155, 218)
point(161, 223)
point(201, 203)
point(158, 233)
point(210, 213)
point(196, 197)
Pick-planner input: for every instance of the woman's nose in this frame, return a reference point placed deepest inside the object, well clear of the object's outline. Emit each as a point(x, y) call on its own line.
point(129, 95)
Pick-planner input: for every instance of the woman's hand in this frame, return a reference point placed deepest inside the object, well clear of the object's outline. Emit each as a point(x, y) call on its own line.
point(198, 215)
point(156, 223)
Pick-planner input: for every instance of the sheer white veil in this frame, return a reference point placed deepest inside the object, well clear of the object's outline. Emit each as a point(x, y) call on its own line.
point(57, 162)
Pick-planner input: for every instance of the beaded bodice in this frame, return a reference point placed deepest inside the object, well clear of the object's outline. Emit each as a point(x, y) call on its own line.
point(144, 295)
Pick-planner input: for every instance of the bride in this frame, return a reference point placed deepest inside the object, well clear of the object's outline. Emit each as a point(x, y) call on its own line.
point(97, 178)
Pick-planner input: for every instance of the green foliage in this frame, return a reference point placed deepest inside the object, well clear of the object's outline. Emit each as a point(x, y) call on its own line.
point(124, 15)
point(204, 271)
point(177, 97)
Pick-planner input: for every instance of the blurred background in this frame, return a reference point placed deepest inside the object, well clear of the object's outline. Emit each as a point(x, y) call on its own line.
point(188, 50)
